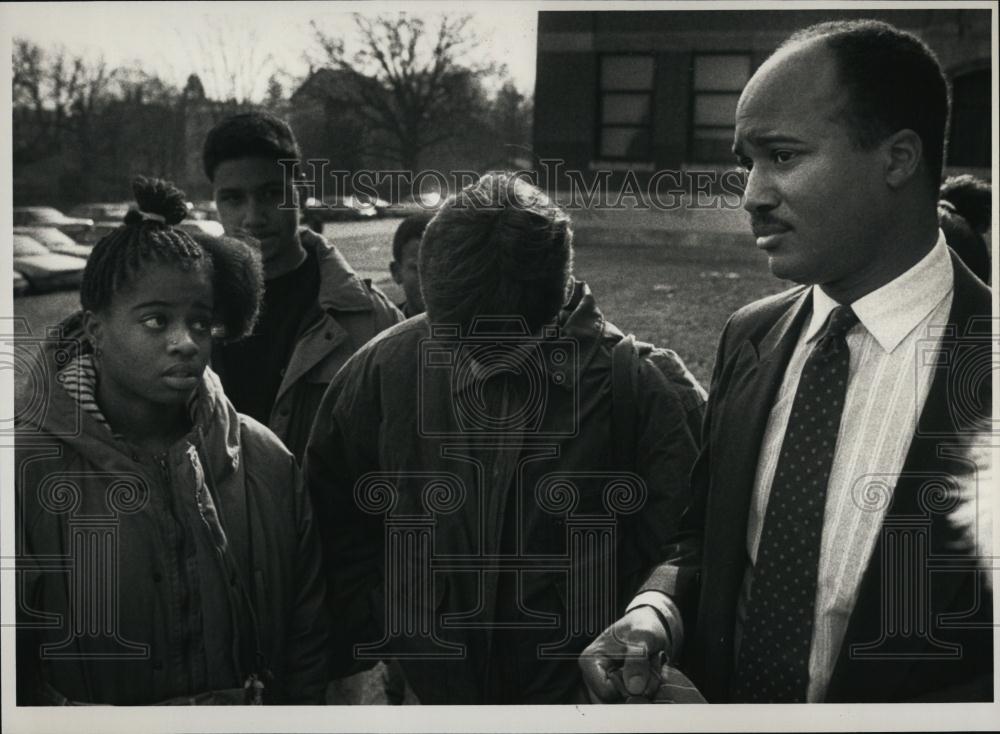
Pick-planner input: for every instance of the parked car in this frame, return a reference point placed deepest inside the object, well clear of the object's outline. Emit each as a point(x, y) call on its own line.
point(377, 207)
point(317, 212)
point(193, 226)
point(429, 202)
point(113, 211)
point(44, 270)
point(202, 210)
point(20, 284)
point(55, 241)
point(47, 216)
point(97, 232)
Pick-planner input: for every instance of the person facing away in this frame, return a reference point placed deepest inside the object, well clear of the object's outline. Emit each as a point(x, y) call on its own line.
point(405, 259)
point(836, 454)
point(964, 216)
point(316, 311)
point(190, 561)
point(492, 420)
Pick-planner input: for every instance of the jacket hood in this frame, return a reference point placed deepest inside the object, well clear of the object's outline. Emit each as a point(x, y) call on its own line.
point(46, 410)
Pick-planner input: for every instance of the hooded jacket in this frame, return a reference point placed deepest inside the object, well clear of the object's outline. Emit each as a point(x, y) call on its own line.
point(149, 579)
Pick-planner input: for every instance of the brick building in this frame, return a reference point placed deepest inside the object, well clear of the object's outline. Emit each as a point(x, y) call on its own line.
point(654, 90)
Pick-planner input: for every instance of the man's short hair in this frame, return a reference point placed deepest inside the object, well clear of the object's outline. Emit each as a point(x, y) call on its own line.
point(410, 228)
point(500, 247)
point(894, 82)
point(248, 135)
point(971, 198)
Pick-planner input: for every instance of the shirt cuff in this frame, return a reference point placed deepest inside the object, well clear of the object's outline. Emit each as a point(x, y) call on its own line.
point(669, 613)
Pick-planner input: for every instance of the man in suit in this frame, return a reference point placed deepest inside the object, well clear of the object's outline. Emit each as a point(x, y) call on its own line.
point(835, 551)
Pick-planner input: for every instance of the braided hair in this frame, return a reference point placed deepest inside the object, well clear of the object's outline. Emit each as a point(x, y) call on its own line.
point(149, 236)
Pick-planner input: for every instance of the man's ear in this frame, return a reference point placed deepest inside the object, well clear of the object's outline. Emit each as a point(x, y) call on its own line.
point(904, 152)
point(394, 270)
point(93, 329)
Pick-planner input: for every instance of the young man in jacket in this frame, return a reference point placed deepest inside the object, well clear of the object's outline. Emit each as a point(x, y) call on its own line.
point(316, 311)
point(483, 502)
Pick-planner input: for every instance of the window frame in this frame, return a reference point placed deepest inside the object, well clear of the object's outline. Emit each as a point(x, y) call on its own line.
point(601, 126)
point(693, 126)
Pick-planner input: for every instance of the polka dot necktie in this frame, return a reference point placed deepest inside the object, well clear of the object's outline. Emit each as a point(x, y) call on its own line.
point(773, 664)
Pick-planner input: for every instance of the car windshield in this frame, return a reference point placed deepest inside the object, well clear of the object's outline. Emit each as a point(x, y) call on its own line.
point(38, 214)
point(108, 211)
point(24, 246)
point(51, 237)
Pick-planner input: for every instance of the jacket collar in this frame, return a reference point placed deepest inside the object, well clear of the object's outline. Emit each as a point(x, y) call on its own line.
point(779, 340)
point(563, 350)
point(340, 289)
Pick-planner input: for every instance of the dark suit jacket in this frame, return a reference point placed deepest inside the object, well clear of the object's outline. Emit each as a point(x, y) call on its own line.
point(921, 627)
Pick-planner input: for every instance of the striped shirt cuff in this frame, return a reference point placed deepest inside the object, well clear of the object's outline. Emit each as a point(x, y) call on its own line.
point(669, 615)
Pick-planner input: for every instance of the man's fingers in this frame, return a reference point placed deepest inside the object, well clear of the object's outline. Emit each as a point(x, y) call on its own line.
point(595, 667)
point(636, 671)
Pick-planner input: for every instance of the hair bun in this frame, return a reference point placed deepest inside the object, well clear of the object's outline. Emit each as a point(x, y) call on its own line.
point(156, 196)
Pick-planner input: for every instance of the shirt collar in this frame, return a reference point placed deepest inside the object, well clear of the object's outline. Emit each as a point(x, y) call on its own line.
point(894, 310)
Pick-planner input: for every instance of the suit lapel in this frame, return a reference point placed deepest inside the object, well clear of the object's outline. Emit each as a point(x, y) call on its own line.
point(754, 380)
point(752, 383)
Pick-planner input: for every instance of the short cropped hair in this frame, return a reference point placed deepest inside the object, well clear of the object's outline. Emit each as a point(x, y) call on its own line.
point(971, 198)
point(500, 247)
point(148, 237)
point(410, 228)
point(248, 135)
point(894, 82)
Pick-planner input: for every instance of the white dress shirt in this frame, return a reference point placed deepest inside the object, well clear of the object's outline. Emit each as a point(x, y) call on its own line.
point(887, 387)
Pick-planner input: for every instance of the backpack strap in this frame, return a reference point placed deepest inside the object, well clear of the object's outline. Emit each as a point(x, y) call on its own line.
point(624, 401)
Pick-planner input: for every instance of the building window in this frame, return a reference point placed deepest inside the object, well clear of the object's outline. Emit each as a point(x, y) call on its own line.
point(718, 81)
point(626, 108)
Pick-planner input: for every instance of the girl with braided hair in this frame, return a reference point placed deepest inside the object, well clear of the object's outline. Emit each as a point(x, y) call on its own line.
point(206, 588)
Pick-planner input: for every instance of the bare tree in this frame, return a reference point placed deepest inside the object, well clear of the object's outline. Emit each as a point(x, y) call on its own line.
point(228, 59)
point(90, 123)
point(411, 85)
point(55, 97)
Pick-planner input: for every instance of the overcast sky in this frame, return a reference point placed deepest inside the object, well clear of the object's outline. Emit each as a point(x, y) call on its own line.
point(178, 38)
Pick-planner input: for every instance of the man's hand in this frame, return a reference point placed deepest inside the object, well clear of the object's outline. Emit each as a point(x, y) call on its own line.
point(626, 659)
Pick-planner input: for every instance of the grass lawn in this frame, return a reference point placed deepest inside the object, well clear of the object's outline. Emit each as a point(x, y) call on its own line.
point(676, 293)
